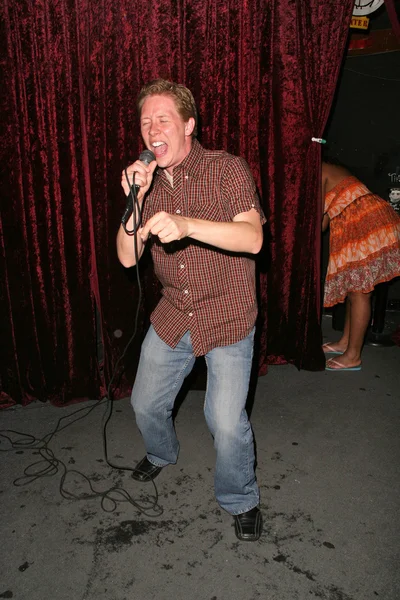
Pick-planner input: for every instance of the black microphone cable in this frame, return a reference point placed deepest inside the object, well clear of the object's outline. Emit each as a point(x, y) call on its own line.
point(133, 206)
point(136, 225)
point(137, 219)
point(147, 156)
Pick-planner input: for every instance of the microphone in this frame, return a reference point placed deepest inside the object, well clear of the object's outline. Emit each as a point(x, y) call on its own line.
point(147, 157)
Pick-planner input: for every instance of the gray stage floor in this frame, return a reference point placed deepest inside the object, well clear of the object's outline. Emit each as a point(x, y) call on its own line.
point(328, 468)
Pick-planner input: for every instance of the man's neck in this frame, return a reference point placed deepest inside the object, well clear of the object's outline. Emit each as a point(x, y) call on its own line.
point(170, 177)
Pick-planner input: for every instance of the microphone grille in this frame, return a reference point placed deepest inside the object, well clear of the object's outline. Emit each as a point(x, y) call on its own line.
point(147, 156)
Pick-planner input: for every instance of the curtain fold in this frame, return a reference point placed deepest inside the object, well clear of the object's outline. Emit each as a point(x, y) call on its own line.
point(263, 74)
point(303, 48)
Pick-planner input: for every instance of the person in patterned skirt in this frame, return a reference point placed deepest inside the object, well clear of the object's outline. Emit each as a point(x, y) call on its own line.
point(202, 219)
point(364, 250)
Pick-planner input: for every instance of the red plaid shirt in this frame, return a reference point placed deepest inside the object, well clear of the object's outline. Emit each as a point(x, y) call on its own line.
point(208, 291)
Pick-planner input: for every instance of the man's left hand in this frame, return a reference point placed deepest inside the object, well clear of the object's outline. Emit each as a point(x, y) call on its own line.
point(167, 227)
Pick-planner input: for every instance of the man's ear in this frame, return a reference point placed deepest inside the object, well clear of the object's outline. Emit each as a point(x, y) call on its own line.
point(189, 126)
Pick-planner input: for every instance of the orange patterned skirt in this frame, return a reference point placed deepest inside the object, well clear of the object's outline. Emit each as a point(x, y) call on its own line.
point(364, 246)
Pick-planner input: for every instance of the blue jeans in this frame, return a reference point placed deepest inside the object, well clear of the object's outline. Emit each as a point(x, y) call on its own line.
point(159, 378)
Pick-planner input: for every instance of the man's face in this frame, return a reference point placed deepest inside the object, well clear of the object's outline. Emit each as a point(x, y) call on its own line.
point(164, 132)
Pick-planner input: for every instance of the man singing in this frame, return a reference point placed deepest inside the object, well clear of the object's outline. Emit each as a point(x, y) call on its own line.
point(203, 221)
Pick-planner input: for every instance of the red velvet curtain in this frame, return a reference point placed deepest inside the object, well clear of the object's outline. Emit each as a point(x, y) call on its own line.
point(263, 74)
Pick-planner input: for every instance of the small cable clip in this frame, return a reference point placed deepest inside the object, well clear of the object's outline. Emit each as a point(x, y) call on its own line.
point(319, 140)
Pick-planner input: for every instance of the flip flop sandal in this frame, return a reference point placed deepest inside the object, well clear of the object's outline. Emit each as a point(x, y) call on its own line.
point(341, 367)
point(327, 348)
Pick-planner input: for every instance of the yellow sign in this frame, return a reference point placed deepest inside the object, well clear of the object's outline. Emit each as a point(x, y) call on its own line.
point(359, 22)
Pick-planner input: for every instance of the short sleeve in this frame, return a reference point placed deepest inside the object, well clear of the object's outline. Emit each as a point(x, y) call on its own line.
point(239, 189)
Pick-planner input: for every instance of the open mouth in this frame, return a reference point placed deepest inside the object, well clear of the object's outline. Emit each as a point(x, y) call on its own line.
point(159, 149)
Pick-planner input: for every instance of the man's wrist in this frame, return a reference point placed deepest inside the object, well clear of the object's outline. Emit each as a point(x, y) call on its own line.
point(190, 226)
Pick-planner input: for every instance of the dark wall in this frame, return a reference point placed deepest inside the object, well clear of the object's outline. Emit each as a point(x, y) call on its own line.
point(363, 131)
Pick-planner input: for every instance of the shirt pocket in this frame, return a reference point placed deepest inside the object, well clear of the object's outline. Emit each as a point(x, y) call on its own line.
point(204, 202)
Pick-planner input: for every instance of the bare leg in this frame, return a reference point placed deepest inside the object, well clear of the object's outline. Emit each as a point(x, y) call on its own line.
point(357, 322)
point(341, 345)
point(344, 340)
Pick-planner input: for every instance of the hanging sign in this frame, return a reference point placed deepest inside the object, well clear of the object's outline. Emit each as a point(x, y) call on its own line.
point(359, 22)
point(360, 10)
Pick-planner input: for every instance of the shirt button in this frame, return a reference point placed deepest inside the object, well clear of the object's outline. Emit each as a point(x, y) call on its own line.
point(178, 212)
point(186, 176)
point(190, 314)
point(181, 266)
point(185, 291)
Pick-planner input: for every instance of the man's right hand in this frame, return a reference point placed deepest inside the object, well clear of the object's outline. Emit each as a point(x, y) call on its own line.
point(138, 174)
